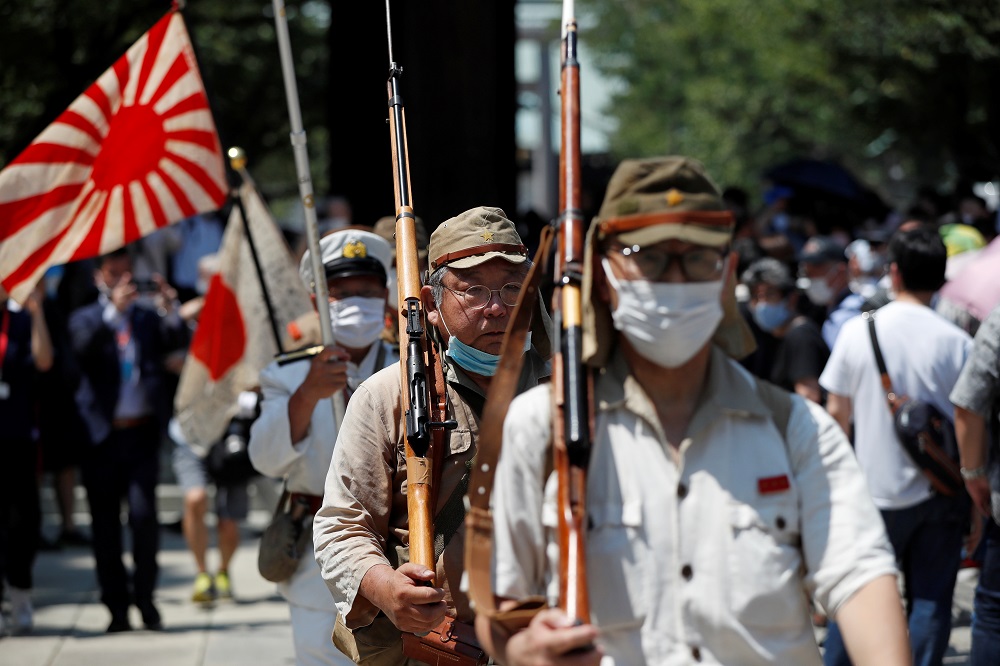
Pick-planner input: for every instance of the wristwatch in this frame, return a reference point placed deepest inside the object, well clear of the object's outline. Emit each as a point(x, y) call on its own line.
point(977, 473)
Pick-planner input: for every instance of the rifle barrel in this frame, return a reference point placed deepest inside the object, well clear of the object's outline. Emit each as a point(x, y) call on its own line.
point(415, 386)
point(572, 424)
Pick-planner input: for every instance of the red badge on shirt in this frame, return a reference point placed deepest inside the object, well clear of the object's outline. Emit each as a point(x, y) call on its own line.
point(773, 484)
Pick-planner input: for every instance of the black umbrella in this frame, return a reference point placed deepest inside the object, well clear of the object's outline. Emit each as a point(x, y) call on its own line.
point(822, 179)
point(818, 176)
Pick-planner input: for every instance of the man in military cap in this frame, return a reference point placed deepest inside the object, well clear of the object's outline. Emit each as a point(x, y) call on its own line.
point(713, 498)
point(478, 265)
point(294, 436)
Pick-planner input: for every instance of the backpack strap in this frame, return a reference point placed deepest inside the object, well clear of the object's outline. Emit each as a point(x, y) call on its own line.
point(779, 402)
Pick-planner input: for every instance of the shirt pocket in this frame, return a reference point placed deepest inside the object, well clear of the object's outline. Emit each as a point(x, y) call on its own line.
point(765, 564)
point(617, 565)
point(459, 441)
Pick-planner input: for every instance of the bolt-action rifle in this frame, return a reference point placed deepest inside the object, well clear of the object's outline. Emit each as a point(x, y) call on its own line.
point(571, 384)
point(423, 396)
point(571, 389)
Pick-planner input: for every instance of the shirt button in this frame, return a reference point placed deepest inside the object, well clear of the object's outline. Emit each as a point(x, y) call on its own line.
point(682, 491)
point(780, 522)
point(687, 572)
point(695, 653)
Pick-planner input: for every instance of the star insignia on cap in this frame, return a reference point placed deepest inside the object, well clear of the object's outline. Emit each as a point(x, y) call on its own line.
point(487, 236)
point(355, 250)
point(674, 197)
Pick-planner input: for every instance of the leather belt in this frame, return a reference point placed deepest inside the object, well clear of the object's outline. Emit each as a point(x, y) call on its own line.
point(314, 501)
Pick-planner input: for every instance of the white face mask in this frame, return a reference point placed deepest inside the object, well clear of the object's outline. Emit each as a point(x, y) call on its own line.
point(667, 323)
point(819, 291)
point(357, 321)
point(864, 287)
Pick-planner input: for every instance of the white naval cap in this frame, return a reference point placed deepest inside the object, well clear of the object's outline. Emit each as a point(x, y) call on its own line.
point(349, 252)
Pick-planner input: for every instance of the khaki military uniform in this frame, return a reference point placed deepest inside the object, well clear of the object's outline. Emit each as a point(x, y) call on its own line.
point(363, 520)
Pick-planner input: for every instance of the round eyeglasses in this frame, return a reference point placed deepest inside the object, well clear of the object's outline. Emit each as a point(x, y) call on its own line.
point(701, 264)
point(478, 296)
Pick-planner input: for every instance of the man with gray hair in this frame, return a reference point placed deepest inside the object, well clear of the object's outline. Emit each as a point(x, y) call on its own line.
point(478, 265)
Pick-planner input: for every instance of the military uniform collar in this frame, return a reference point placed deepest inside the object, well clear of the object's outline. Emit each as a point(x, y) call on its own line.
point(727, 389)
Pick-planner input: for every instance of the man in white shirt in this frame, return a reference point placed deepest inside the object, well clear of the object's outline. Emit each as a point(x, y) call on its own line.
point(295, 433)
point(924, 355)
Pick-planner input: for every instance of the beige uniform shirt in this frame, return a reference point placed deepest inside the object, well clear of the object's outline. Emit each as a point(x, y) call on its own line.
point(704, 553)
point(363, 518)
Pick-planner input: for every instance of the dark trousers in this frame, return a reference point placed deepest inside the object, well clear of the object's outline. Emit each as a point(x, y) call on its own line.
point(125, 466)
point(927, 539)
point(986, 608)
point(20, 515)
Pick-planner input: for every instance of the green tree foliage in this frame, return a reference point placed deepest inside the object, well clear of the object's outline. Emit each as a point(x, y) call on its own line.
point(902, 87)
point(51, 50)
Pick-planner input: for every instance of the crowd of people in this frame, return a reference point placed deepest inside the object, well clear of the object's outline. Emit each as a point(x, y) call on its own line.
point(746, 481)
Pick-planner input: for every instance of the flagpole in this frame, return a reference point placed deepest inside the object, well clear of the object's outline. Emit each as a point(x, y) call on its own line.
point(298, 139)
point(238, 161)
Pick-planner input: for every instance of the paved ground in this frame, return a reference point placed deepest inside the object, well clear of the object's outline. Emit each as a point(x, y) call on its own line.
point(70, 620)
point(253, 629)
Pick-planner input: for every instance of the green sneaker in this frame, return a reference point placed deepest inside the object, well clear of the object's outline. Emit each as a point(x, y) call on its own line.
point(222, 587)
point(204, 590)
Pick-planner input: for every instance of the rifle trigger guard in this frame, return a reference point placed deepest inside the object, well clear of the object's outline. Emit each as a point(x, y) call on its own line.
point(450, 424)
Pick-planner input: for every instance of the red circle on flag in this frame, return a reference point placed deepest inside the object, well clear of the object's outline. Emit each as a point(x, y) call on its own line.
point(220, 338)
point(135, 143)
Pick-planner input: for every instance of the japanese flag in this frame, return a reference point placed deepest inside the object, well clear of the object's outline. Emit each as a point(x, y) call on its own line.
point(235, 338)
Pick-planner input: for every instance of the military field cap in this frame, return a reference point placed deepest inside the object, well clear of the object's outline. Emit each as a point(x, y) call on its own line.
point(386, 228)
point(475, 237)
point(662, 198)
point(640, 209)
point(348, 253)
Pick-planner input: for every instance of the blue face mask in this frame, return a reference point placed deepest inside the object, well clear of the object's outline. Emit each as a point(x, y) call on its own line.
point(771, 316)
point(471, 359)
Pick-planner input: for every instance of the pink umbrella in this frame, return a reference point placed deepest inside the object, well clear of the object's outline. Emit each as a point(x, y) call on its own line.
point(975, 288)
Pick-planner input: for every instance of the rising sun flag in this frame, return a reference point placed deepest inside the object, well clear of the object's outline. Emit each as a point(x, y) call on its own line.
point(136, 151)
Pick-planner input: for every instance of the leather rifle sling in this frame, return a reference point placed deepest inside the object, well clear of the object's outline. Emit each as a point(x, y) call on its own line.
point(503, 387)
point(439, 412)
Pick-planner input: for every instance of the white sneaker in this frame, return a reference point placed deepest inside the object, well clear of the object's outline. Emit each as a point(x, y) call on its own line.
point(21, 611)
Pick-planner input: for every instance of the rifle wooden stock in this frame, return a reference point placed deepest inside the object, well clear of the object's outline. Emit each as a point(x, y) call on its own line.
point(571, 420)
point(422, 388)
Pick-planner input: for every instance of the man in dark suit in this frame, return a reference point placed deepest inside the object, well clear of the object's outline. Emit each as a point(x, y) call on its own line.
point(120, 345)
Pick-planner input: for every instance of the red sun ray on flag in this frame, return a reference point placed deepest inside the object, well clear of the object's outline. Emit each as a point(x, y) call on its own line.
point(138, 150)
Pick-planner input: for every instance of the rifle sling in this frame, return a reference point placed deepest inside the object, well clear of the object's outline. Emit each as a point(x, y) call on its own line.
point(438, 399)
point(503, 387)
